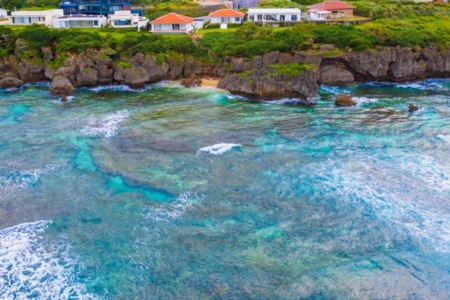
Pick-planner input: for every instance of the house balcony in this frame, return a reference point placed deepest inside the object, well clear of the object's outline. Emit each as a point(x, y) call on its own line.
point(119, 2)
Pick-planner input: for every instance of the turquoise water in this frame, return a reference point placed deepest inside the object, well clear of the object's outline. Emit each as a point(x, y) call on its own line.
point(174, 193)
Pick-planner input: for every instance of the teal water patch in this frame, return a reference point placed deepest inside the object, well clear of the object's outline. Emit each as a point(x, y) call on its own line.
point(14, 114)
point(118, 183)
point(83, 159)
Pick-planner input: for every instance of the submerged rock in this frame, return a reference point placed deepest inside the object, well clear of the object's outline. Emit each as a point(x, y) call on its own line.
point(344, 100)
point(412, 107)
point(11, 82)
point(61, 86)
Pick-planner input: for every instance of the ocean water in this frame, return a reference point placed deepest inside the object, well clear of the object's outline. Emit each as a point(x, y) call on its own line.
point(174, 193)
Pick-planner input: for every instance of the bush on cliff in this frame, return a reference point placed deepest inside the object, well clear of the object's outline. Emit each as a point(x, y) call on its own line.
point(76, 41)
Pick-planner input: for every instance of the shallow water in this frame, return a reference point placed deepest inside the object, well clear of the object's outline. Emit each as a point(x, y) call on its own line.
point(174, 193)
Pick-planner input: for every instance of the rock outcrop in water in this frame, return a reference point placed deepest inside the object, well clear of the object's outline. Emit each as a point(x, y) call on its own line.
point(274, 75)
point(61, 86)
point(344, 100)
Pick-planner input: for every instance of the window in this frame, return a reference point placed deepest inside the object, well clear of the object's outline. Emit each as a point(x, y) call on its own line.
point(259, 17)
point(334, 12)
point(294, 17)
point(282, 17)
point(175, 26)
point(252, 17)
point(237, 19)
point(95, 23)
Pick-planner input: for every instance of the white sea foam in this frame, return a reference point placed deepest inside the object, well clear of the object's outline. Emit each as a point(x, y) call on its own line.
point(333, 90)
point(122, 88)
point(12, 180)
point(105, 126)
point(287, 101)
point(364, 100)
point(444, 138)
point(411, 192)
point(30, 270)
point(421, 85)
point(172, 210)
point(218, 149)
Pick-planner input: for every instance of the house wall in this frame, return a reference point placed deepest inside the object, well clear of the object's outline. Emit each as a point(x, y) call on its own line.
point(346, 13)
point(268, 17)
point(231, 20)
point(199, 24)
point(3, 13)
point(33, 17)
point(79, 22)
point(168, 28)
point(317, 17)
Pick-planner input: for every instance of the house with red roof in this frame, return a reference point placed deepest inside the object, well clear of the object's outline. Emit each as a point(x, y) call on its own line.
point(330, 10)
point(172, 23)
point(226, 16)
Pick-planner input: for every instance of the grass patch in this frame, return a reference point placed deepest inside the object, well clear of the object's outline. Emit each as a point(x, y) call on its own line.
point(293, 69)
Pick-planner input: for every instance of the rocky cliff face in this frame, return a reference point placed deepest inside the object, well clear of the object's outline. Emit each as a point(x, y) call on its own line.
point(254, 78)
point(258, 78)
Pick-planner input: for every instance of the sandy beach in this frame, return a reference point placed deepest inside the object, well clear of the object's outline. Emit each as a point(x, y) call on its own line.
point(210, 82)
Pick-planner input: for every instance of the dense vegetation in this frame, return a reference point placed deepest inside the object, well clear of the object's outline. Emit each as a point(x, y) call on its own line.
point(408, 25)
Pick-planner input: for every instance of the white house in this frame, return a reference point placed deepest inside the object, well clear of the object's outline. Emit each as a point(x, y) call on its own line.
point(79, 21)
point(172, 23)
point(44, 17)
point(3, 13)
point(199, 22)
point(274, 15)
point(226, 16)
point(125, 19)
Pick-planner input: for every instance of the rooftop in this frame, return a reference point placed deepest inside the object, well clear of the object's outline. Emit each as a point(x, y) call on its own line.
point(173, 18)
point(330, 5)
point(226, 13)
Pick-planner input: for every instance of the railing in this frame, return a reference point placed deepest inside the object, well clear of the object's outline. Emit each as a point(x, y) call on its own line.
point(119, 2)
point(83, 2)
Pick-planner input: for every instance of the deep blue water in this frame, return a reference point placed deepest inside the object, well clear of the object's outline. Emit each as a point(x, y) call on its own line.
point(174, 193)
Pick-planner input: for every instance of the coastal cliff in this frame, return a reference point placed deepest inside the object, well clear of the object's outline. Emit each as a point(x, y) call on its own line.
point(273, 75)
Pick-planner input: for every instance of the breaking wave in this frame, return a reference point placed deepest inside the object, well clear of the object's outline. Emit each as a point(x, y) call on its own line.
point(105, 126)
point(218, 149)
point(30, 270)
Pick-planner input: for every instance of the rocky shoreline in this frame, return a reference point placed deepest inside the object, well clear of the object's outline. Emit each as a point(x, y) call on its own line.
point(274, 75)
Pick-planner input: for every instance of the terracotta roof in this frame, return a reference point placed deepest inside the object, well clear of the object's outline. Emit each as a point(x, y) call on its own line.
point(172, 18)
point(226, 13)
point(331, 5)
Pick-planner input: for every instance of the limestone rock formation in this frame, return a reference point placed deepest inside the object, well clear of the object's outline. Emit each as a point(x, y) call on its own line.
point(344, 100)
point(61, 86)
point(11, 82)
point(412, 107)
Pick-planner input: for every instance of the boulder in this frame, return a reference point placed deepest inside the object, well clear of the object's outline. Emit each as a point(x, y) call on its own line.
point(87, 77)
point(30, 71)
point(61, 86)
point(11, 82)
point(135, 77)
point(156, 71)
point(412, 107)
point(64, 98)
point(344, 100)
